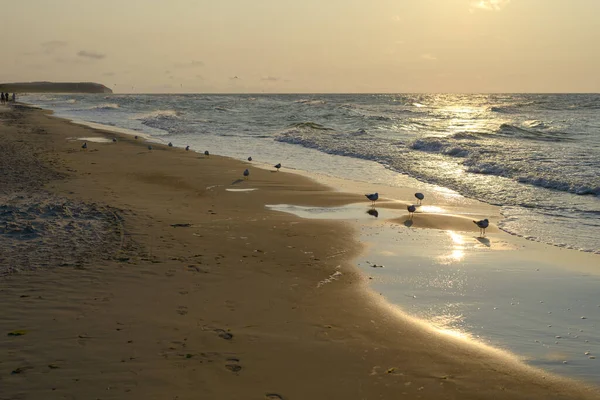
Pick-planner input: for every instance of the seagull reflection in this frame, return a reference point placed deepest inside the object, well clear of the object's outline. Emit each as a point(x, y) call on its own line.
point(373, 212)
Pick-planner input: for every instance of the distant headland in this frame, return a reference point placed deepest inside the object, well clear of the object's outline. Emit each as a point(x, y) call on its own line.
point(54, 87)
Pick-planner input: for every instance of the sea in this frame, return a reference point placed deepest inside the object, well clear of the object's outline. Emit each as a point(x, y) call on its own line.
point(537, 156)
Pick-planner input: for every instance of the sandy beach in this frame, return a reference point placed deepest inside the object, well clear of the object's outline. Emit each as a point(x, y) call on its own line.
point(140, 274)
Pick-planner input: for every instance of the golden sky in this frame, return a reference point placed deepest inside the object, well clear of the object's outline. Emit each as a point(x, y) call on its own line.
point(305, 46)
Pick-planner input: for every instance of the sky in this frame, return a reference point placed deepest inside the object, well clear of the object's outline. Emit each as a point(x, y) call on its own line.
point(305, 46)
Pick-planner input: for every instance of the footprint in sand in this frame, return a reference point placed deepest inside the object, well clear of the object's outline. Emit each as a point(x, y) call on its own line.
point(224, 334)
point(182, 310)
point(233, 365)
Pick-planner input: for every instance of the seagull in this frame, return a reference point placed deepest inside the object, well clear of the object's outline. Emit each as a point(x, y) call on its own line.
point(249, 158)
point(84, 145)
point(278, 166)
point(420, 197)
point(187, 148)
point(246, 173)
point(411, 210)
point(373, 197)
point(135, 137)
point(170, 144)
point(149, 147)
point(114, 140)
point(206, 153)
point(484, 223)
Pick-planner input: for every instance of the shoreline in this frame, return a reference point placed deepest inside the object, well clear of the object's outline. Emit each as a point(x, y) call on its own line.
point(325, 341)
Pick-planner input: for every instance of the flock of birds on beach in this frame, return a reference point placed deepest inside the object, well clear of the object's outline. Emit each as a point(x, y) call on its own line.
point(411, 208)
point(373, 197)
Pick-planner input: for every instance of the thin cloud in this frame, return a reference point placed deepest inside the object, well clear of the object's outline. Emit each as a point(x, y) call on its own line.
point(429, 57)
point(490, 5)
point(191, 64)
point(91, 54)
point(53, 45)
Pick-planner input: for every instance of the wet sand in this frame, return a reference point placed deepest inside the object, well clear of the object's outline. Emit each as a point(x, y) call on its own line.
point(195, 291)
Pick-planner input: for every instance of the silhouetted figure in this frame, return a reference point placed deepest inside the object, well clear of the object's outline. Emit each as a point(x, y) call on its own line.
point(2, 98)
point(14, 98)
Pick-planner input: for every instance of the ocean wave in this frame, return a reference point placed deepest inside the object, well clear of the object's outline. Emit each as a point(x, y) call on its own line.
point(159, 114)
point(532, 134)
point(469, 135)
point(310, 125)
point(562, 185)
point(443, 146)
point(106, 106)
point(535, 124)
point(310, 102)
point(71, 101)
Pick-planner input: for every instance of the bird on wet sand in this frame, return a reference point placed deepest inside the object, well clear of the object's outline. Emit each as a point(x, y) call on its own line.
point(187, 148)
point(420, 197)
point(373, 197)
point(114, 140)
point(246, 173)
point(206, 153)
point(278, 166)
point(411, 210)
point(149, 147)
point(249, 158)
point(84, 146)
point(482, 224)
point(170, 144)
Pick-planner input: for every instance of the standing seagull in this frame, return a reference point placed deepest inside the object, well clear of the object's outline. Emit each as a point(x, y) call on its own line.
point(170, 144)
point(249, 158)
point(246, 173)
point(187, 148)
point(484, 223)
point(373, 197)
point(114, 140)
point(278, 166)
point(206, 153)
point(420, 197)
point(149, 147)
point(411, 210)
point(84, 146)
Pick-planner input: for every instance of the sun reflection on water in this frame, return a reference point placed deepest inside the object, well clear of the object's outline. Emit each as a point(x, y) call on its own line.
point(431, 209)
point(458, 249)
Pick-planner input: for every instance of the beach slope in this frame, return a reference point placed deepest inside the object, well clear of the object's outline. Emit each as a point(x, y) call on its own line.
point(147, 277)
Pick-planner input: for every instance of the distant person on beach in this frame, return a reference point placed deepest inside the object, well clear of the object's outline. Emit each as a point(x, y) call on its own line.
point(14, 97)
point(2, 100)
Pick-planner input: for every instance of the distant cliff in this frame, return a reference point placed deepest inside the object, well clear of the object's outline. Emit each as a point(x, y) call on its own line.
point(54, 87)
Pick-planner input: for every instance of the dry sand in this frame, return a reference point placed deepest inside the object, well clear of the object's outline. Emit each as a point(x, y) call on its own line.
point(128, 305)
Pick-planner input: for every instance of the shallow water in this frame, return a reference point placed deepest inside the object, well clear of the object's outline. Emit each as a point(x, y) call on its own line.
point(486, 289)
